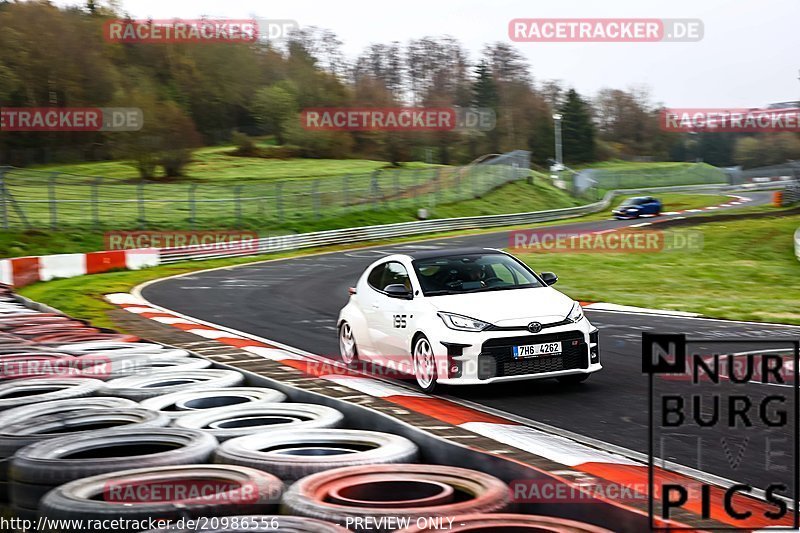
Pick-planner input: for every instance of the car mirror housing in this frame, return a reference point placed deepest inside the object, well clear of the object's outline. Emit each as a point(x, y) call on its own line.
point(549, 278)
point(398, 290)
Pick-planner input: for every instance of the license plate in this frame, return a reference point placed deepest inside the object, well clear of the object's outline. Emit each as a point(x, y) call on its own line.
point(537, 350)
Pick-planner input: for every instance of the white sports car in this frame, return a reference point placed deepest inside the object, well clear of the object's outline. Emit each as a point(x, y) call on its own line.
point(465, 317)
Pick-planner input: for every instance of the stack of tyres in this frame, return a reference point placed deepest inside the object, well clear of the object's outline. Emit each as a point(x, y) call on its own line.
point(40, 467)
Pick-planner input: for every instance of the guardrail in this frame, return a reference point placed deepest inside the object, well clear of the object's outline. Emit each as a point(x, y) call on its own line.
point(405, 229)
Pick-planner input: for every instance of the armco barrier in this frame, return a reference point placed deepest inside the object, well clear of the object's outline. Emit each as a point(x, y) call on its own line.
point(22, 271)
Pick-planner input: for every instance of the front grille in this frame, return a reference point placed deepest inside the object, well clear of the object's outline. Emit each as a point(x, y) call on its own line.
point(497, 355)
point(525, 327)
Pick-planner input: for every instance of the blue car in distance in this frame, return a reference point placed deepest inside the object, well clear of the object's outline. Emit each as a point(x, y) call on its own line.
point(637, 207)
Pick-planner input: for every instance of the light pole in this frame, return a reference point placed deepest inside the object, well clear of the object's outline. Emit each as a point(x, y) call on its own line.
point(559, 156)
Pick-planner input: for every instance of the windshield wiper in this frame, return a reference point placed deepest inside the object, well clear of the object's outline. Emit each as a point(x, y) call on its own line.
point(441, 292)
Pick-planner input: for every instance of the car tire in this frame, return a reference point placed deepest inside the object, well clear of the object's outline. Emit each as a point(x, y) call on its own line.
point(17, 435)
point(348, 349)
point(424, 371)
point(83, 499)
point(40, 467)
point(141, 387)
point(353, 493)
point(61, 406)
point(574, 379)
point(24, 391)
point(227, 424)
point(292, 454)
point(179, 404)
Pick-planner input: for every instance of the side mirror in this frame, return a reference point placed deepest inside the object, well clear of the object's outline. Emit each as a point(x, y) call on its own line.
point(398, 290)
point(549, 278)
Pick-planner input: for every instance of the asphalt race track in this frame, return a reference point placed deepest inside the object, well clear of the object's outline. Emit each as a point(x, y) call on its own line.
point(296, 302)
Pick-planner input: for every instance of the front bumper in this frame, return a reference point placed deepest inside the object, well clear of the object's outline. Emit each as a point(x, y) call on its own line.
point(467, 358)
point(625, 215)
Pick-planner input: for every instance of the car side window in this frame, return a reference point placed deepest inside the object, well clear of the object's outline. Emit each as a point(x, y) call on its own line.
point(376, 276)
point(395, 274)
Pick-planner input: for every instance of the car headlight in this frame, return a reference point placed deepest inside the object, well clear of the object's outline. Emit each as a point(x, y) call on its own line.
point(632, 209)
point(463, 323)
point(576, 314)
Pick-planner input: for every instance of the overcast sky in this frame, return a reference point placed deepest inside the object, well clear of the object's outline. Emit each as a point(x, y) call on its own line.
point(749, 57)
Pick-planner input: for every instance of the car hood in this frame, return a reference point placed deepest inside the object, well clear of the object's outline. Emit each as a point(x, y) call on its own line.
point(507, 308)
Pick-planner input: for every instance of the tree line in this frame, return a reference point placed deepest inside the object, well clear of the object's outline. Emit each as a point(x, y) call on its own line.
point(195, 94)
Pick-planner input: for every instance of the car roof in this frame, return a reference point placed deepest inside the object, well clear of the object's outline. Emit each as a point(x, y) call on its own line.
point(428, 254)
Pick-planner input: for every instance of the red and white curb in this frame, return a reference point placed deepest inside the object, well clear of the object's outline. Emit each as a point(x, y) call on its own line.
point(738, 201)
point(613, 467)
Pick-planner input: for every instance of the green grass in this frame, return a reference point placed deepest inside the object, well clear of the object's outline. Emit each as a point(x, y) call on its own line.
point(746, 271)
point(215, 163)
point(224, 191)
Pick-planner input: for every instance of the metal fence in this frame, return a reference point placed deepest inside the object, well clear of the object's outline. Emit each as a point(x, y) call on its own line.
point(36, 199)
point(669, 175)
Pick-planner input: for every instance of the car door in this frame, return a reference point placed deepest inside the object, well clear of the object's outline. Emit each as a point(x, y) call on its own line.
point(396, 314)
point(370, 299)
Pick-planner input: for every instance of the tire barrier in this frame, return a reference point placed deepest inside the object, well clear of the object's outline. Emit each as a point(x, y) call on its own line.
point(518, 523)
point(40, 467)
point(357, 498)
point(167, 437)
point(169, 493)
point(243, 524)
point(294, 454)
point(227, 424)
point(141, 387)
point(180, 404)
point(57, 407)
point(17, 435)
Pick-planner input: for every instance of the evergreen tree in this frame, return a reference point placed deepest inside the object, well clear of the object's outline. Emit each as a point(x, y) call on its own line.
point(577, 129)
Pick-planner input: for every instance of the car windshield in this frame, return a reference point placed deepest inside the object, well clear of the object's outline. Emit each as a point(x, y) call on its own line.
point(457, 274)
